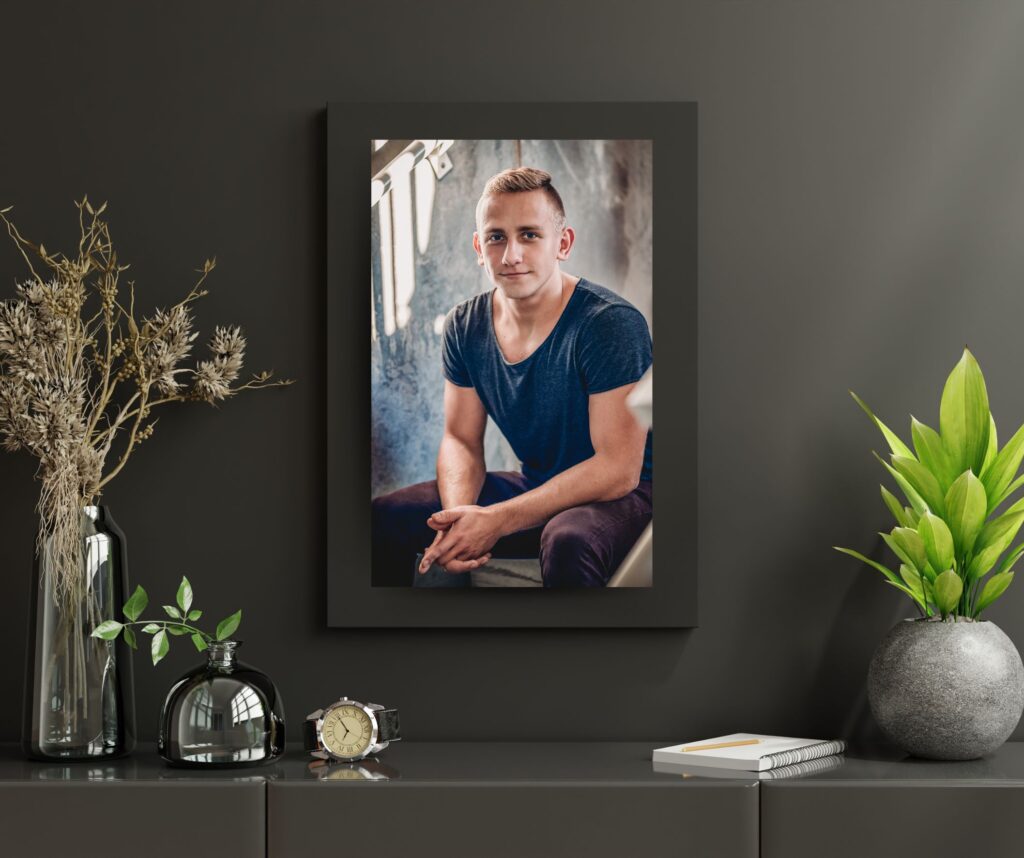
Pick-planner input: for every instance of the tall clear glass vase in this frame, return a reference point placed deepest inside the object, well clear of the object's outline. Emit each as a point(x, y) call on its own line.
point(79, 692)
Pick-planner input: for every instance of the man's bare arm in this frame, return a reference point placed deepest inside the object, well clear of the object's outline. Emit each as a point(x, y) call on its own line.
point(612, 472)
point(460, 457)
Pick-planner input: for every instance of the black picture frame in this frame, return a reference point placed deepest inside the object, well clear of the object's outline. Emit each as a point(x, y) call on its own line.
point(672, 600)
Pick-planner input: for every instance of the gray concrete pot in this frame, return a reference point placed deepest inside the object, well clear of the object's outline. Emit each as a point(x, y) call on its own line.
point(945, 690)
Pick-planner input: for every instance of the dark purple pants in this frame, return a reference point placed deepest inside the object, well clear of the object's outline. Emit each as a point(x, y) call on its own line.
point(579, 547)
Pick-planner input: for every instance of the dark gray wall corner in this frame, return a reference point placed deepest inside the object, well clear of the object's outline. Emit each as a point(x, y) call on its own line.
point(860, 219)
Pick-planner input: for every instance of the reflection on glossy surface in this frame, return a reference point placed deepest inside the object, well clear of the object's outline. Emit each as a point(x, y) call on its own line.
point(370, 769)
point(222, 714)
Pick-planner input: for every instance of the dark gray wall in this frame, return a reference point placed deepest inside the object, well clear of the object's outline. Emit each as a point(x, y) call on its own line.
point(861, 216)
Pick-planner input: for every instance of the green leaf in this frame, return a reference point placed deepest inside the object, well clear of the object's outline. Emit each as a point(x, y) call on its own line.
point(966, 508)
point(885, 570)
point(151, 628)
point(994, 539)
point(173, 612)
point(947, 589)
point(129, 638)
point(159, 647)
point(194, 615)
point(914, 582)
point(107, 630)
point(184, 597)
point(993, 446)
point(923, 481)
point(177, 630)
point(938, 542)
point(918, 505)
point(227, 626)
point(913, 516)
point(1009, 490)
point(998, 476)
point(931, 453)
point(908, 546)
point(993, 589)
point(1010, 559)
point(964, 415)
point(134, 607)
point(895, 444)
point(895, 507)
point(199, 641)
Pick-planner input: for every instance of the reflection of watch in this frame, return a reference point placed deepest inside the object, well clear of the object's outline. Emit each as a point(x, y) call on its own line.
point(370, 769)
point(349, 730)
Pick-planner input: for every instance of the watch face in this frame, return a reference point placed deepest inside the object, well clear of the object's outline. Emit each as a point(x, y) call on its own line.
point(347, 731)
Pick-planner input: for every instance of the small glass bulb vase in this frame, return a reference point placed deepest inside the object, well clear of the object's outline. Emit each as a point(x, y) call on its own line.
point(946, 690)
point(79, 696)
point(222, 714)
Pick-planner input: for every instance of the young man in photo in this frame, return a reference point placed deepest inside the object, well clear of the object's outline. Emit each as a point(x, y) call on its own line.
point(551, 358)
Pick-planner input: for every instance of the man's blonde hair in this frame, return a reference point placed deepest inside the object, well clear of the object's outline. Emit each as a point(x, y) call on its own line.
point(518, 180)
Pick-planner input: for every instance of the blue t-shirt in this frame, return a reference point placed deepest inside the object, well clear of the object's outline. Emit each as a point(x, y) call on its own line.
point(600, 342)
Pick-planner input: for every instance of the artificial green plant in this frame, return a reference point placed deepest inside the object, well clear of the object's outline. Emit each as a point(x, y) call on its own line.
point(950, 538)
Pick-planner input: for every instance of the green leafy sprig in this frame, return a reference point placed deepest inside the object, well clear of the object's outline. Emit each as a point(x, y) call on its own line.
point(956, 482)
point(179, 624)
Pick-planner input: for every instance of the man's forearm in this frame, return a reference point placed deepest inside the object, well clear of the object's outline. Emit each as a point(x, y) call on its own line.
point(599, 478)
point(460, 472)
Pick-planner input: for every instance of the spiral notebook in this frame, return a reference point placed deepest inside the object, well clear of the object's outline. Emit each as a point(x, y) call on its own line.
point(750, 752)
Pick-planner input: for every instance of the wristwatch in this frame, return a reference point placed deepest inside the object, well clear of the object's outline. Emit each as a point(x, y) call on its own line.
point(349, 730)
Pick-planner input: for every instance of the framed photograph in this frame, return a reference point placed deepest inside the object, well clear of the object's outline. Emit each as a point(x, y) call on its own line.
point(490, 456)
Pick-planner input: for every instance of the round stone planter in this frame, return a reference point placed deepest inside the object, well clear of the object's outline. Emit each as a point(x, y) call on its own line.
point(945, 690)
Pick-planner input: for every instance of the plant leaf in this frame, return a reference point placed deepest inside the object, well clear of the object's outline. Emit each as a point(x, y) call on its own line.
point(993, 589)
point(993, 446)
point(994, 539)
point(107, 630)
point(931, 453)
point(199, 641)
point(129, 638)
point(895, 507)
point(1009, 490)
point(896, 446)
point(159, 647)
point(134, 607)
point(914, 582)
point(916, 503)
point(227, 626)
point(947, 587)
point(966, 508)
point(194, 615)
point(964, 415)
point(885, 570)
point(151, 628)
point(184, 597)
point(1011, 558)
point(908, 546)
point(923, 481)
point(938, 541)
point(998, 476)
point(176, 630)
point(173, 612)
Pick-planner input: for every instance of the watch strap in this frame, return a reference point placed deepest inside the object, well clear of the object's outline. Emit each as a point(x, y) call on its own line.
point(309, 738)
point(388, 726)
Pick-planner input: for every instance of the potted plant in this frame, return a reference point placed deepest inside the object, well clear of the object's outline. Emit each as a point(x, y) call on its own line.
point(949, 685)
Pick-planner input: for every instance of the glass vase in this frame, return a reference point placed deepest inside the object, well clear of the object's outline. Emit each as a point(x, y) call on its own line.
point(79, 695)
point(222, 714)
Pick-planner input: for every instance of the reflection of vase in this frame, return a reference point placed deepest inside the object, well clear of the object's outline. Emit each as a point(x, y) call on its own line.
point(222, 714)
point(79, 695)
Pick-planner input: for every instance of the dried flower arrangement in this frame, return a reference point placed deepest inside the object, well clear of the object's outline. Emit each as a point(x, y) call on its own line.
point(80, 377)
